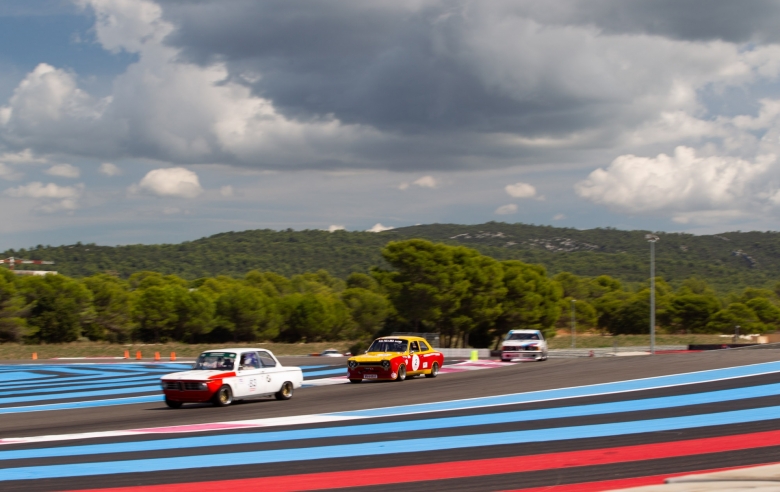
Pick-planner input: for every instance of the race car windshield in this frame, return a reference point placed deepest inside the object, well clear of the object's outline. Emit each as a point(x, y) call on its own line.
point(523, 336)
point(388, 346)
point(221, 361)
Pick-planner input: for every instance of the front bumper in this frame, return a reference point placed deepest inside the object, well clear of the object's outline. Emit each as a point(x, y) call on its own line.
point(372, 373)
point(191, 391)
point(507, 355)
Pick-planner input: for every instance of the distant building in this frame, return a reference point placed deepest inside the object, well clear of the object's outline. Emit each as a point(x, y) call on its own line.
point(33, 272)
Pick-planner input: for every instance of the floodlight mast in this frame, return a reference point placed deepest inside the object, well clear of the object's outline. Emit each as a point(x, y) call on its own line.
point(652, 238)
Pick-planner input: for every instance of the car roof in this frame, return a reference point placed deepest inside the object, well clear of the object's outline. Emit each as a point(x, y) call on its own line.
point(402, 337)
point(242, 349)
point(524, 331)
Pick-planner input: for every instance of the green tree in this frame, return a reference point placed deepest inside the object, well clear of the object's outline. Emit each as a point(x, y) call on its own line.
point(58, 305)
point(690, 313)
point(736, 314)
point(154, 308)
point(314, 317)
point(532, 299)
point(427, 285)
point(242, 311)
point(368, 310)
point(111, 316)
point(13, 324)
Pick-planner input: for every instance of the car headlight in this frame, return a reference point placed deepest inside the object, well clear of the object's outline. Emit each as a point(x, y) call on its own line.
point(386, 364)
point(352, 364)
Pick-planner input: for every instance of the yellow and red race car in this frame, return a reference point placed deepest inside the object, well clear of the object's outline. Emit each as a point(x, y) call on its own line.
point(395, 359)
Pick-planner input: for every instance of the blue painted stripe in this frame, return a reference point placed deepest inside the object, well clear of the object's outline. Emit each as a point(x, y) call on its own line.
point(33, 389)
point(340, 370)
point(83, 404)
point(405, 426)
point(387, 447)
point(21, 375)
point(575, 392)
point(104, 387)
point(82, 394)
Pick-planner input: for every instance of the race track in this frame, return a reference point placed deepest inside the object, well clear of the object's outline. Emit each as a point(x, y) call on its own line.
point(565, 424)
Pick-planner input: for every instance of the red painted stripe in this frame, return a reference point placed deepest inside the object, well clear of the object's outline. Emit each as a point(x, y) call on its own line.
point(478, 468)
point(621, 483)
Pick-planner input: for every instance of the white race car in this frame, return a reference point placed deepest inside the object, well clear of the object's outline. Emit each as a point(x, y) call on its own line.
point(220, 376)
point(524, 345)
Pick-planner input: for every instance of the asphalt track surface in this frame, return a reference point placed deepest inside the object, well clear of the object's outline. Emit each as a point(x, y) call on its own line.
point(559, 425)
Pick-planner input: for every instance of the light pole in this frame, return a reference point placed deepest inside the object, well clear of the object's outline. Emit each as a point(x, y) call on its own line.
point(573, 326)
point(652, 238)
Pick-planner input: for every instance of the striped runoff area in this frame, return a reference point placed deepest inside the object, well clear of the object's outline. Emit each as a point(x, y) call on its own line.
point(46, 387)
point(594, 437)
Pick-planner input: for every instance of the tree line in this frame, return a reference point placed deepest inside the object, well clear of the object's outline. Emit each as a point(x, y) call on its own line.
point(728, 261)
point(469, 298)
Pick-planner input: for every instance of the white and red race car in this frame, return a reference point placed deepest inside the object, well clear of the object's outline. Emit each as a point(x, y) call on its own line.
point(524, 345)
point(221, 376)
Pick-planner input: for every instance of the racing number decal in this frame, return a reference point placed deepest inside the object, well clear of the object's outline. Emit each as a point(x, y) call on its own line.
point(252, 384)
point(415, 362)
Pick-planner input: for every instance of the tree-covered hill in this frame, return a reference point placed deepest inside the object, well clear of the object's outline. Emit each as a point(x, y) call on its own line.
point(728, 261)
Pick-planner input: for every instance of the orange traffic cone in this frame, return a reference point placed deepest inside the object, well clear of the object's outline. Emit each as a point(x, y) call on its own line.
point(173, 356)
point(127, 354)
point(157, 356)
point(35, 356)
point(138, 355)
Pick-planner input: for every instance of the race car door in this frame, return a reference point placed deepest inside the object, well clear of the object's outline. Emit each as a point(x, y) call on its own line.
point(415, 360)
point(427, 356)
point(272, 378)
point(250, 375)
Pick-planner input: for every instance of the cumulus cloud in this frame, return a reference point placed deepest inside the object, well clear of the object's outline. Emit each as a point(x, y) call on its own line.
point(52, 197)
point(423, 182)
point(379, 228)
point(398, 85)
point(64, 170)
point(109, 169)
point(520, 190)
point(22, 157)
point(682, 182)
point(9, 173)
point(559, 217)
point(334, 228)
point(226, 191)
point(510, 208)
point(175, 182)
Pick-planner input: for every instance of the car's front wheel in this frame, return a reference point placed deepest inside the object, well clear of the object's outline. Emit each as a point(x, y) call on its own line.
point(401, 373)
point(434, 371)
point(173, 403)
point(223, 397)
point(286, 392)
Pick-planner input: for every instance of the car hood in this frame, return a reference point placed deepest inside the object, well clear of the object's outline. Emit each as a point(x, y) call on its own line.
point(375, 356)
point(521, 343)
point(198, 375)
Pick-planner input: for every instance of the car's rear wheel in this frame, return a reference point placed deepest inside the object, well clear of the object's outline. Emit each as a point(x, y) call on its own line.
point(401, 373)
point(434, 371)
point(173, 403)
point(286, 392)
point(223, 397)
point(355, 381)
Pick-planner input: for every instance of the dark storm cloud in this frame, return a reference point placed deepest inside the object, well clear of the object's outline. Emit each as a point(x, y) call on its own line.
point(696, 20)
point(374, 63)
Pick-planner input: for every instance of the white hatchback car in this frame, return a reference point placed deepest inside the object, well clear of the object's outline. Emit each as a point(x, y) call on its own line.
point(524, 345)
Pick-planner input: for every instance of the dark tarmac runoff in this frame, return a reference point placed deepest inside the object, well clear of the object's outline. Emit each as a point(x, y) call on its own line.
point(520, 377)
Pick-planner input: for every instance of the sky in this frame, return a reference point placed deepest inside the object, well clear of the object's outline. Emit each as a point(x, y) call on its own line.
point(140, 121)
